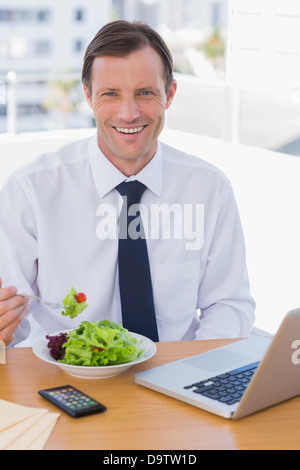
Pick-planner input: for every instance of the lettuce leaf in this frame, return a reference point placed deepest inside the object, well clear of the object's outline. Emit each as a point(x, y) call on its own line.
point(100, 343)
point(72, 307)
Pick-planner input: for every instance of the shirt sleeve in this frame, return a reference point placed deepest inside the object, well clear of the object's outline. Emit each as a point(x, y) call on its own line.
point(18, 260)
point(226, 305)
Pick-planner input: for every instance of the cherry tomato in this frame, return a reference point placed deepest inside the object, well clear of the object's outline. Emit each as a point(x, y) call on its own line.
point(80, 297)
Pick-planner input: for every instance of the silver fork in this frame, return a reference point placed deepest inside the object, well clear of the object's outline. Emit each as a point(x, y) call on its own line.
point(48, 304)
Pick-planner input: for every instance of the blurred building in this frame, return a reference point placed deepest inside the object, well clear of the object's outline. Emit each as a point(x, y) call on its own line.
point(40, 39)
point(42, 43)
point(173, 14)
point(43, 35)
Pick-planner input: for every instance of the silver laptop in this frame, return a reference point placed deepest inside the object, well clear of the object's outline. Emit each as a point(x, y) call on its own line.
point(236, 380)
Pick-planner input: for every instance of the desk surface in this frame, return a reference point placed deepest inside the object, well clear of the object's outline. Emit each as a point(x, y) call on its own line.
point(139, 418)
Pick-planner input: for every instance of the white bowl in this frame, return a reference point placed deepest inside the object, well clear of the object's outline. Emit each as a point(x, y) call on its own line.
point(41, 350)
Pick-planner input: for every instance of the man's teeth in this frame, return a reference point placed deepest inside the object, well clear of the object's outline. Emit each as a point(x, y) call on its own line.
point(133, 130)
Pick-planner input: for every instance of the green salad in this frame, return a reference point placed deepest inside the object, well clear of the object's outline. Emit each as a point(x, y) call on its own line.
point(74, 303)
point(97, 343)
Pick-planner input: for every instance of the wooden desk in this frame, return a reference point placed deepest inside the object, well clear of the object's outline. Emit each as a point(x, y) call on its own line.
point(138, 418)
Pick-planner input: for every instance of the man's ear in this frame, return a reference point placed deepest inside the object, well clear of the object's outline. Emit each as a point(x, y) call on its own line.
point(171, 93)
point(88, 96)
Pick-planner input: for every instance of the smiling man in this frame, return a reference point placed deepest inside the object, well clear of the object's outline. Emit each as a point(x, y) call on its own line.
point(62, 216)
point(129, 97)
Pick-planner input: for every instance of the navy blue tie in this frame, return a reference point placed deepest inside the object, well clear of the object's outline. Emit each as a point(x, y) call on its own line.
point(138, 314)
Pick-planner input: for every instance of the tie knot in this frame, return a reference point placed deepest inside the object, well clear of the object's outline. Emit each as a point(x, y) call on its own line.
point(133, 190)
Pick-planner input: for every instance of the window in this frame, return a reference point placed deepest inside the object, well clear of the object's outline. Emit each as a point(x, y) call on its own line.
point(263, 73)
point(41, 47)
point(43, 15)
point(24, 15)
point(79, 15)
point(78, 45)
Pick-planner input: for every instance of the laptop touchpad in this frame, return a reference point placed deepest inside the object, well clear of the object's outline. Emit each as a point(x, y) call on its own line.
point(216, 360)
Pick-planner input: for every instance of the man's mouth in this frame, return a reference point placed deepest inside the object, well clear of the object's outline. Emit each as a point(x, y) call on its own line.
point(130, 130)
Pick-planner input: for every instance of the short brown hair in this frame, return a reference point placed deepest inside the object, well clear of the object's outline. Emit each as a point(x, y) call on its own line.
point(119, 39)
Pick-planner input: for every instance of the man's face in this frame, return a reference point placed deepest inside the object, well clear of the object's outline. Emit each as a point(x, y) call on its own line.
point(128, 99)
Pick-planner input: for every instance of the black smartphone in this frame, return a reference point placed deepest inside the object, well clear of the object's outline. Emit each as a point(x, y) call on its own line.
point(72, 400)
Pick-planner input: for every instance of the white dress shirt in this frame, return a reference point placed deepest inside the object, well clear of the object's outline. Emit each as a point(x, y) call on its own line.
point(58, 228)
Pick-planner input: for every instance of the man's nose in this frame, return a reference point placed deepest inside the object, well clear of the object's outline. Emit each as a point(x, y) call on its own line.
point(129, 110)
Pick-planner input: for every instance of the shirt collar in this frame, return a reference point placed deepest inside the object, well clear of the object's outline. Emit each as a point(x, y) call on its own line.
point(107, 176)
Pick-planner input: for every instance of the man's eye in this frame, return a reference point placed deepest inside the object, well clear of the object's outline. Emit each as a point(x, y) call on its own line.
point(146, 93)
point(109, 93)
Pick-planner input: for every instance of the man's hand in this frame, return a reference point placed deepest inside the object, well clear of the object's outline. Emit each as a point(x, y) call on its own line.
point(13, 309)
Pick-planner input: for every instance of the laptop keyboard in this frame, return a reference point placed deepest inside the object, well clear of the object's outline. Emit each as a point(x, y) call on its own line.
point(226, 388)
